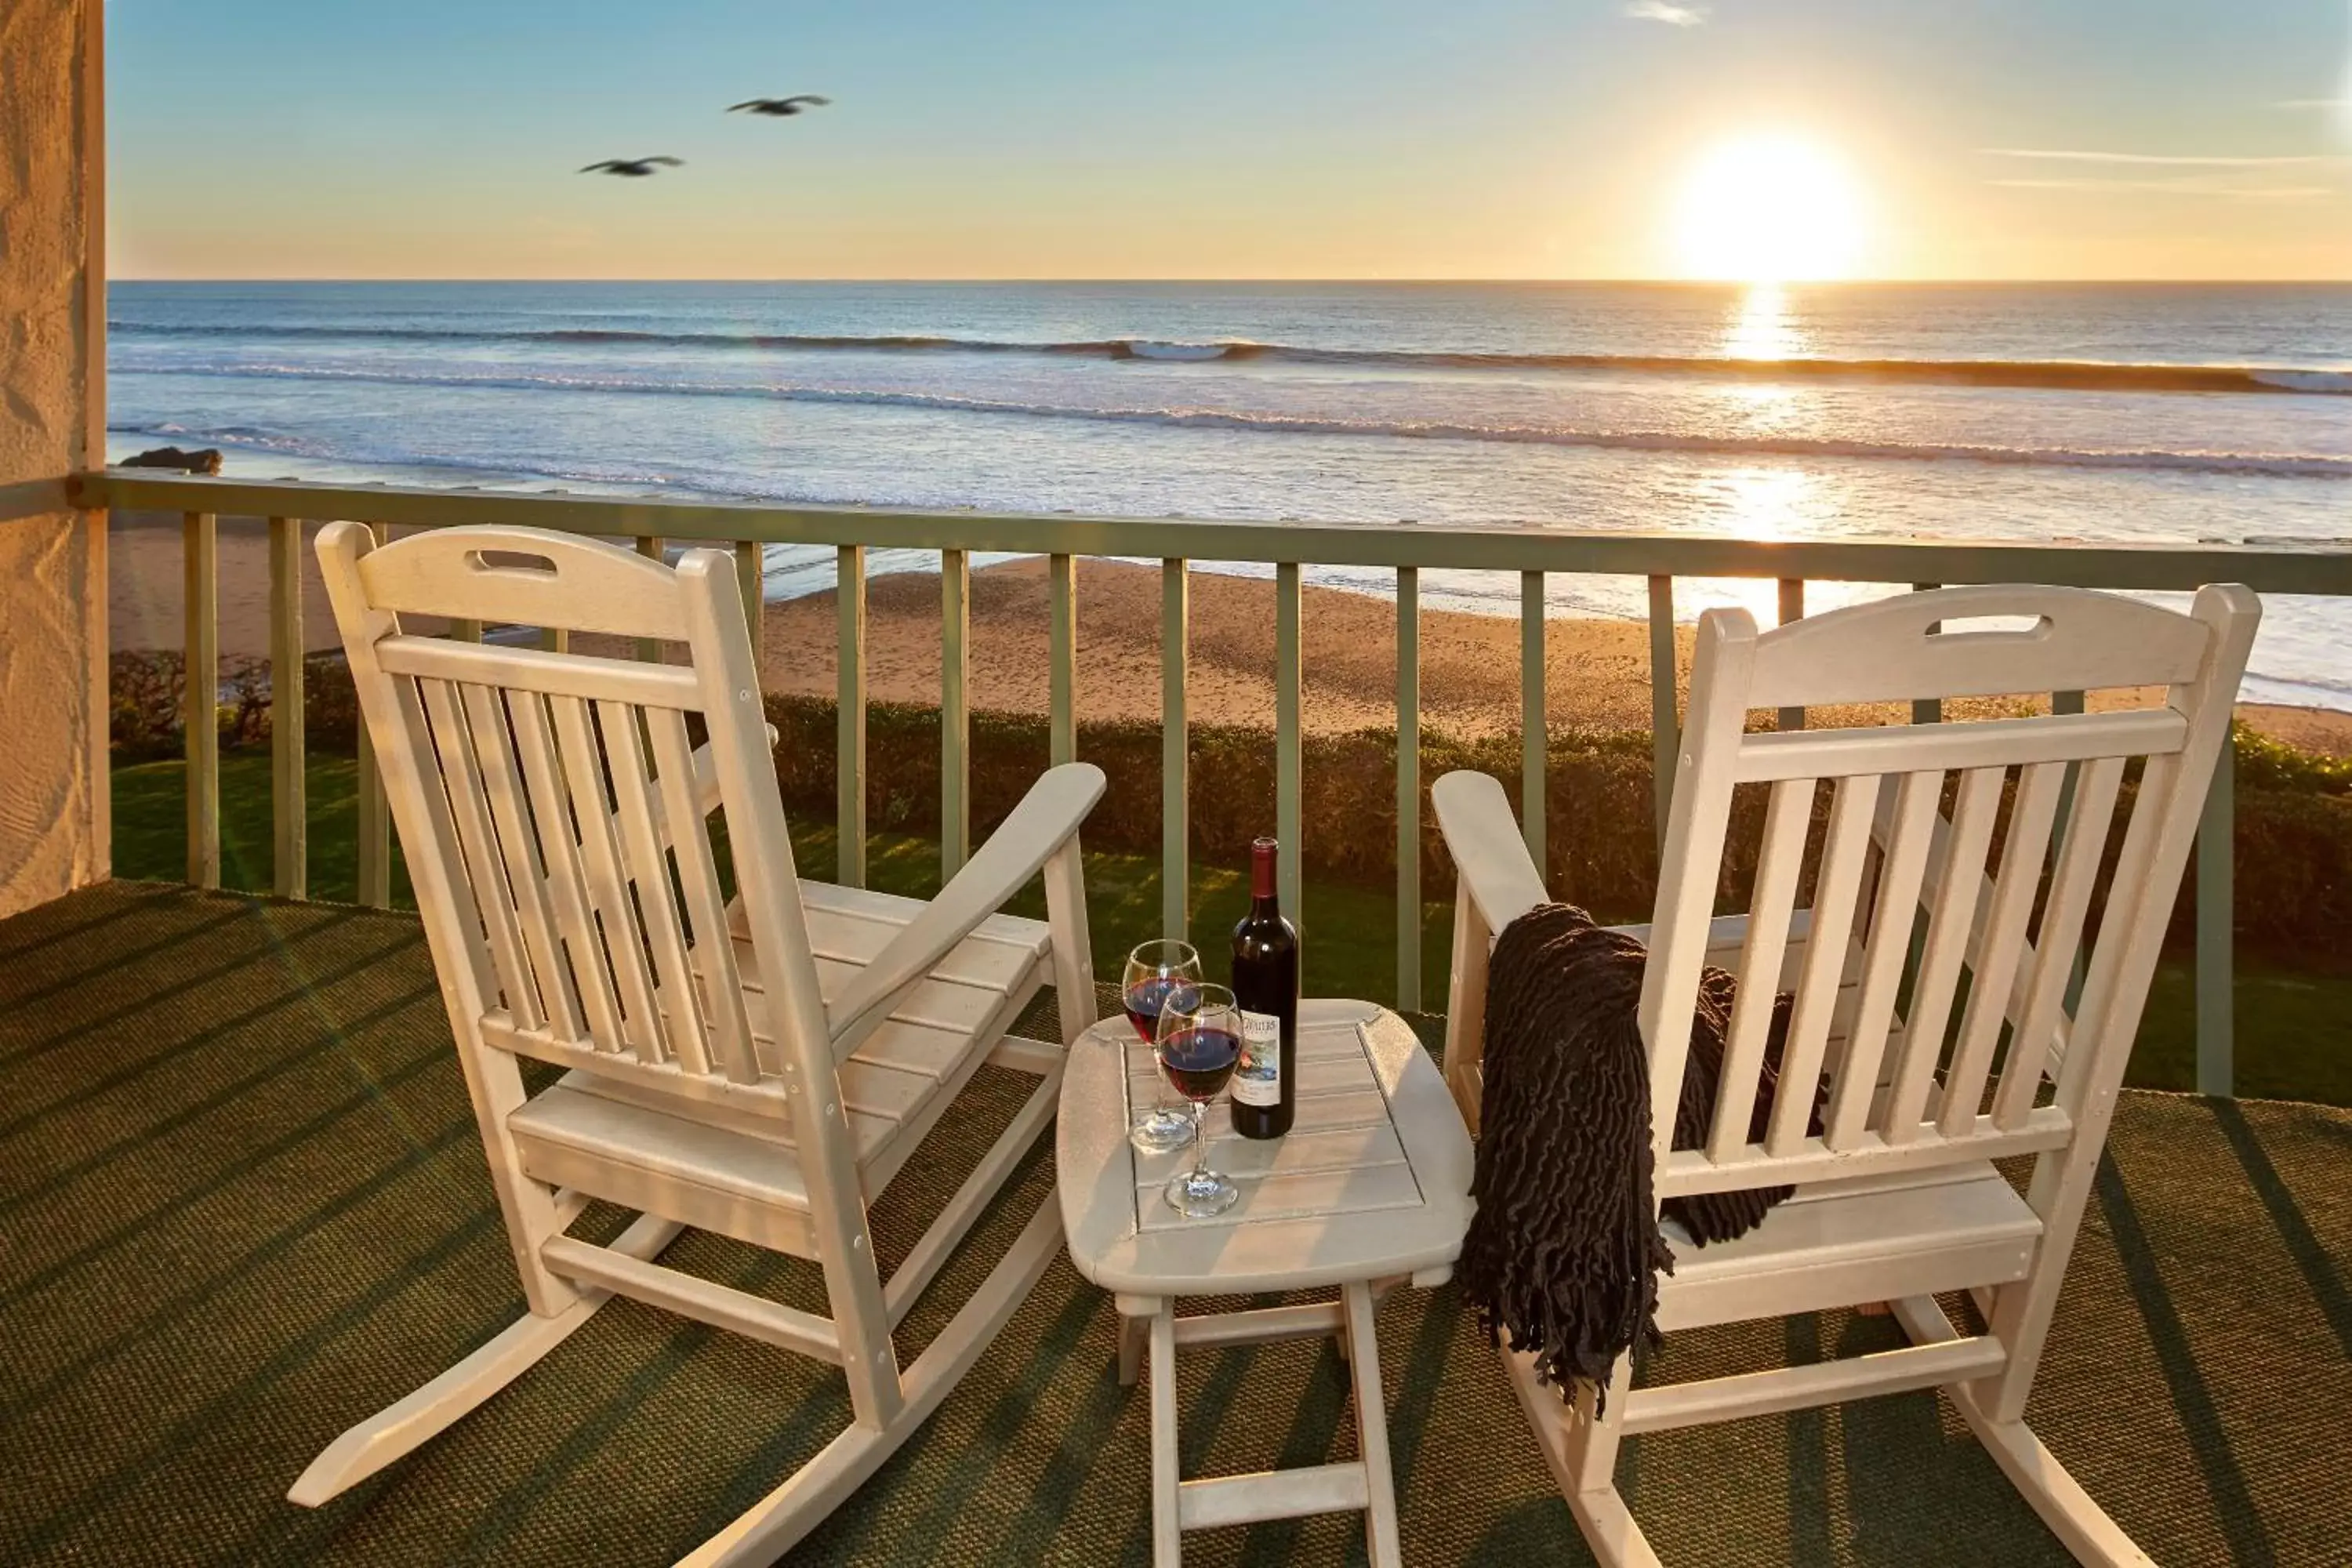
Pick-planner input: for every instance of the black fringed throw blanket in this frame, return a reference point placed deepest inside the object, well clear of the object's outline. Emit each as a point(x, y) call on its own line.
point(1564, 1253)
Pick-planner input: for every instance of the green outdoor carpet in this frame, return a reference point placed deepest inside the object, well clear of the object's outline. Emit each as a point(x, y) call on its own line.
point(242, 1206)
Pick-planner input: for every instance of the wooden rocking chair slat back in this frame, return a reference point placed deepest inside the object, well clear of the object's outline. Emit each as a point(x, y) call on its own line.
point(1914, 806)
point(1888, 917)
point(562, 794)
point(528, 878)
point(1951, 923)
point(1785, 819)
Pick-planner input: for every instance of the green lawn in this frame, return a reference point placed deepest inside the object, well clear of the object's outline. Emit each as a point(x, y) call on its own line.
point(2295, 1029)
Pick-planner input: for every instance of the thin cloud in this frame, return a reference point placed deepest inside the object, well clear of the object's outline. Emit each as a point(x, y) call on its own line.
point(1662, 11)
point(2193, 186)
point(2237, 178)
point(2182, 160)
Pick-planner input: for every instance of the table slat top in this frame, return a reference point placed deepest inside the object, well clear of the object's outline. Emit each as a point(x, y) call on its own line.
point(1373, 1178)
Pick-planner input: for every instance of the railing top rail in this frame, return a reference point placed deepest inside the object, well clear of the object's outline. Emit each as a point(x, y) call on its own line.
point(2320, 568)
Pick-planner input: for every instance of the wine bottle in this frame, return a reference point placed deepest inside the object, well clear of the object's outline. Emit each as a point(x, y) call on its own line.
point(1266, 985)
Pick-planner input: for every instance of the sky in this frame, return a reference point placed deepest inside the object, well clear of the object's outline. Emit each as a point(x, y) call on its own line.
point(1248, 139)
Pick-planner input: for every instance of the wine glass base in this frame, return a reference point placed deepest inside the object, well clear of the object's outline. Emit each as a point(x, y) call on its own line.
point(1161, 1132)
point(1201, 1194)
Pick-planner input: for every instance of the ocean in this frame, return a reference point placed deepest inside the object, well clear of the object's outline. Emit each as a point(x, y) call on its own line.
point(2011, 411)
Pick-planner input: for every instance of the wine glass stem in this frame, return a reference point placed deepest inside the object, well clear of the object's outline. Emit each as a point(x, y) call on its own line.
point(1199, 1141)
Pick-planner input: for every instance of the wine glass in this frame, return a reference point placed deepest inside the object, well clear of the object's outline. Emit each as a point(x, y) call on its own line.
point(1155, 971)
point(1199, 1045)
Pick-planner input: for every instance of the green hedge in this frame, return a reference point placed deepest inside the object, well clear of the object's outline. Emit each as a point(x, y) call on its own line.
point(144, 692)
point(1600, 834)
point(2294, 838)
point(2294, 848)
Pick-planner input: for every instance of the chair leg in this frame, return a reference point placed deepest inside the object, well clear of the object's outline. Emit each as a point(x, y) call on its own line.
point(1465, 1004)
point(1609, 1531)
point(1074, 964)
point(1572, 1443)
point(400, 1429)
point(774, 1524)
point(1592, 1439)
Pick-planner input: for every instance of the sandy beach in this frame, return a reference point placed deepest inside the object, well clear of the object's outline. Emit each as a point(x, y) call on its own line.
point(1597, 670)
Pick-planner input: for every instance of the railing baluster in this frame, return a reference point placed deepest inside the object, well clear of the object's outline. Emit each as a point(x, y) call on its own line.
point(1534, 734)
point(555, 639)
point(1792, 608)
point(1931, 710)
point(1175, 750)
point(200, 701)
point(1665, 723)
point(955, 712)
point(2216, 915)
point(374, 868)
point(849, 730)
point(288, 798)
point(751, 580)
point(648, 648)
point(1407, 787)
point(1062, 619)
point(2066, 702)
point(1288, 742)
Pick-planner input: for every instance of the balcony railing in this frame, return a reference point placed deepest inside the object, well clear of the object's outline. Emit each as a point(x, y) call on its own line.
point(1533, 552)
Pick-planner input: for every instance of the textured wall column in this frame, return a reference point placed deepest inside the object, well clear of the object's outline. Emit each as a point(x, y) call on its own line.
point(53, 635)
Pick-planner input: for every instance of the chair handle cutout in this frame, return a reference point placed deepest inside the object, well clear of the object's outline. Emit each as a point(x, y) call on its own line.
point(2019, 628)
point(510, 562)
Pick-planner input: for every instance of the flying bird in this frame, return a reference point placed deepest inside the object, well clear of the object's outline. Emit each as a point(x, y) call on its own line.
point(779, 105)
point(634, 167)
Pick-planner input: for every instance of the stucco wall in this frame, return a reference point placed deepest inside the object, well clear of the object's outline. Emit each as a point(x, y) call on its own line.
point(52, 562)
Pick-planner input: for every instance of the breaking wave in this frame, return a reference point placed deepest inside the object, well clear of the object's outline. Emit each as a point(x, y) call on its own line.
point(2091, 375)
point(2278, 465)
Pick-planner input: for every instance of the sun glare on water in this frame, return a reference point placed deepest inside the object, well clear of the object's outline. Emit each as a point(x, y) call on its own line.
point(1770, 208)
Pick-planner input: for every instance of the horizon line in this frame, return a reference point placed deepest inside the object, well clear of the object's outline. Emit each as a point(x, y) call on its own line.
point(1313, 282)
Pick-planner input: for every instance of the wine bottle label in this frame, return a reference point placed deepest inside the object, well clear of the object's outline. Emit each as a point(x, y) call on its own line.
point(1257, 1081)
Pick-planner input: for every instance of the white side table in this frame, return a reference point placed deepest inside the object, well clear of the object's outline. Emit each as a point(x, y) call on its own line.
point(1370, 1187)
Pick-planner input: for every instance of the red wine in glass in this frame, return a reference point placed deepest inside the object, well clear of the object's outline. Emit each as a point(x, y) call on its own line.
point(1199, 1046)
point(1199, 1061)
point(1144, 1000)
point(1159, 975)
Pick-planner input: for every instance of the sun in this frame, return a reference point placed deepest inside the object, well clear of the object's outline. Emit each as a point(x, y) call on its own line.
point(1770, 208)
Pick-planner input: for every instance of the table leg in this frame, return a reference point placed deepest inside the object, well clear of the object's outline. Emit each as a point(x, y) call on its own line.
point(1167, 1525)
point(1134, 1334)
point(1371, 1428)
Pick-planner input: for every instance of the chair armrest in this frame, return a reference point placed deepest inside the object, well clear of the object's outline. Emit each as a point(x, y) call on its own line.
point(706, 772)
point(705, 789)
point(1048, 818)
point(1489, 857)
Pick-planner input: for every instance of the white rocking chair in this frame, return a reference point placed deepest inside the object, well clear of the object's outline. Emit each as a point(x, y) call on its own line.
point(1897, 1199)
point(761, 1070)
